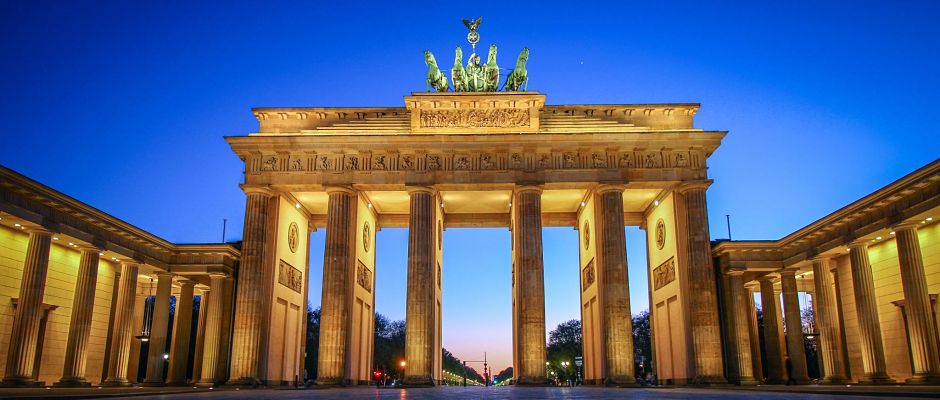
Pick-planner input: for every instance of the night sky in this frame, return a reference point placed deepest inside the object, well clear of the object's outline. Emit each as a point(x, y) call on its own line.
point(124, 106)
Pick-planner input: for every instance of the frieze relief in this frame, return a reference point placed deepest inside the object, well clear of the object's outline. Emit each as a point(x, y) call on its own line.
point(479, 118)
point(364, 276)
point(482, 161)
point(587, 276)
point(664, 274)
point(291, 277)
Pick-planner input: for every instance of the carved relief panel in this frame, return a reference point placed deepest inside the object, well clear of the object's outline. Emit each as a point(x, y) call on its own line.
point(291, 277)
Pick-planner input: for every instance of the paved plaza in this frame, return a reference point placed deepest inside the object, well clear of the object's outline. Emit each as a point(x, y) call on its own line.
point(492, 393)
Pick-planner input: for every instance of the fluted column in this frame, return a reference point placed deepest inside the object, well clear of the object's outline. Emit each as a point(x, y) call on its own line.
point(158, 330)
point(741, 326)
point(123, 327)
point(796, 351)
point(530, 301)
point(249, 310)
point(703, 295)
point(921, 332)
point(830, 342)
point(210, 374)
point(757, 362)
point(334, 309)
point(200, 334)
point(618, 324)
point(23, 339)
point(182, 327)
point(869, 326)
point(770, 310)
point(420, 331)
point(83, 305)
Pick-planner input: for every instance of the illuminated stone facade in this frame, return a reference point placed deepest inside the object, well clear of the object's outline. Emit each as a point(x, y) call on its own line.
point(74, 281)
point(871, 274)
point(485, 160)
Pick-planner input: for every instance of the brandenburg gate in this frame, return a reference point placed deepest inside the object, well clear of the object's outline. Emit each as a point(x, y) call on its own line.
point(468, 159)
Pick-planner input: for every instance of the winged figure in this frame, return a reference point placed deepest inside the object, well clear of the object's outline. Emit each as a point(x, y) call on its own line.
point(472, 25)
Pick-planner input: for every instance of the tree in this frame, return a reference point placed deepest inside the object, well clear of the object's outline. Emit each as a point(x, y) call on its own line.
point(503, 375)
point(313, 342)
point(564, 344)
point(642, 342)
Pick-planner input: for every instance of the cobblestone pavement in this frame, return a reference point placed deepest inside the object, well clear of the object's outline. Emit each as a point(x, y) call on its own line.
point(514, 393)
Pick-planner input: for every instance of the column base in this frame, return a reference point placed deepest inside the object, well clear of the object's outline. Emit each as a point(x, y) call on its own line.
point(835, 380)
point(20, 382)
point(878, 379)
point(115, 382)
point(924, 379)
point(418, 381)
point(72, 382)
point(709, 381)
point(532, 381)
point(239, 382)
point(748, 381)
point(621, 381)
point(330, 382)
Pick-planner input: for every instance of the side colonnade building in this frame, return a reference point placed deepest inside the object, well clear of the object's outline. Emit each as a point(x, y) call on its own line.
point(82, 291)
point(869, 271)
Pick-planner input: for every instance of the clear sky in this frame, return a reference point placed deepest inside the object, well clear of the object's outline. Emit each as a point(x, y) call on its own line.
point(123, 105)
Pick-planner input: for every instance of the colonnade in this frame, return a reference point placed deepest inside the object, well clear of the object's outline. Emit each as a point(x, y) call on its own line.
point(124, 323)
point(782, 349)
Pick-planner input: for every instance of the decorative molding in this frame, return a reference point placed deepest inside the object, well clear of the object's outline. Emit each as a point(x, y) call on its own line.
point(660, 234)
point(664, 274)
point(291, 277)
point(492, 118)
point(293, 237)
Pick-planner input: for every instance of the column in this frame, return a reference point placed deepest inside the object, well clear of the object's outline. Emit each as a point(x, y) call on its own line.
point(922, 337)
point(830, 342)
point(527, 239)
point(869, 326)
point(83, 305)
point(420, 330)
point(614, 289)
point(757, 365)
point(123, 327)
point(334, 309)
point(249, 310)
point(210, 373)
point(796, 351)
point(158, 330)
point(741, 327)
point(23, 339)
point(182, 327)
point(770, 310)
point(200, 334)
point(703, 296)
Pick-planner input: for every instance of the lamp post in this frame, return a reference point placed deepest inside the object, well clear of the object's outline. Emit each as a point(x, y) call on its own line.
point(402, 364)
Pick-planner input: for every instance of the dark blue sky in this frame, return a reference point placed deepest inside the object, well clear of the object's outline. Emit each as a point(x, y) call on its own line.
point(124, 105)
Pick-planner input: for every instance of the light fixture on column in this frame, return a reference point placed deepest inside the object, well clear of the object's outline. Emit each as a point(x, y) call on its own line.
point(148, 317)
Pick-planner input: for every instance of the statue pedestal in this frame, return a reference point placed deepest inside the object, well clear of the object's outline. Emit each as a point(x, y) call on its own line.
point(475, 112)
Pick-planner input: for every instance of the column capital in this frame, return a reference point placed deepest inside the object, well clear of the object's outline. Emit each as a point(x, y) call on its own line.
point(734, 272)
point(523, 188)
point(788, 271)
point(186, 282)
point(163, 274)
point(339, 189)
point(218, 275)
point(610, 187)
point(821, 258)
point(91, 248)
point(906, 225)
point(688, 186)
point(39, 230)
point(769, 278)
point(860, 244)
point(420, 189)
point(257, 189)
